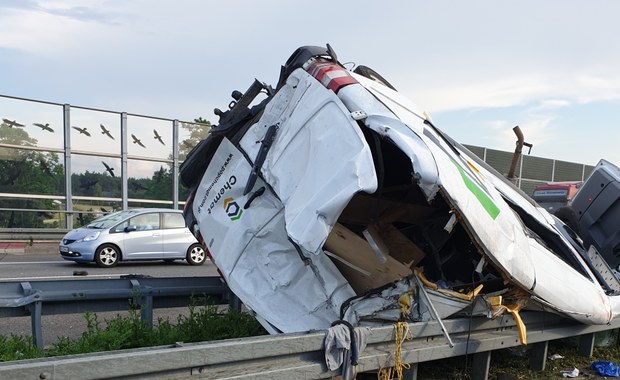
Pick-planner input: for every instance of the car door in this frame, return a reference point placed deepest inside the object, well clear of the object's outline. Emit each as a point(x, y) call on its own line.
point(144, 238)
point(176, 236)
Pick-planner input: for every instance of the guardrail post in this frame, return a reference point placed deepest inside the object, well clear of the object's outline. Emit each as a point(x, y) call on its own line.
point(411, 373)
point(35, 322)
point(146, 309)
point(480, 365)
point(144, 301)
point(586, 345)
point(34, 309)
point(234, 302)
point(538, 356)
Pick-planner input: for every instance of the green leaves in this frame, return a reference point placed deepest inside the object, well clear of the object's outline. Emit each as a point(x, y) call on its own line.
point(203, 323)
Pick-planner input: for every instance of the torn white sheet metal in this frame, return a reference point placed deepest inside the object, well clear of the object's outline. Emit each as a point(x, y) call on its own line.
point(318, 161)
point(251, 249)
point(340, 135)
point(406, 136)
point(481, 198)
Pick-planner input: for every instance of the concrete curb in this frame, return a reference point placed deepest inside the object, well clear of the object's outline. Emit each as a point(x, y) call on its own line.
point(28, 248)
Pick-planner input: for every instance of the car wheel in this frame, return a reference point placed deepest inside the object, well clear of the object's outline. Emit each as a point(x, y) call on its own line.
point(196, 255)
point(107, 256)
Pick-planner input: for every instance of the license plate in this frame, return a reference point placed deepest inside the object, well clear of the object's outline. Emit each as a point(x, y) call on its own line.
point(64, 249)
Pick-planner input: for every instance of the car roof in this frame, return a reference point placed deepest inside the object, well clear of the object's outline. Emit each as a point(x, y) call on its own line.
point(143, 210)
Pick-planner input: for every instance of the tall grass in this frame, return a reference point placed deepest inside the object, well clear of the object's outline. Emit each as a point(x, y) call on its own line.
point(203, 323)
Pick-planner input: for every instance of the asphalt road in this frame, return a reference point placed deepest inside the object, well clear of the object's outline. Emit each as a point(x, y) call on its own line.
point(50, 266)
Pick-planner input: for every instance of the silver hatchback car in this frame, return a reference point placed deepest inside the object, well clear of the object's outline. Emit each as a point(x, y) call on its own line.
point(140, 234)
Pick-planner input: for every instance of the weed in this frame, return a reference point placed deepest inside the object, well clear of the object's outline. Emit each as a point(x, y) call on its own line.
point(17, 347)
point(203, 323)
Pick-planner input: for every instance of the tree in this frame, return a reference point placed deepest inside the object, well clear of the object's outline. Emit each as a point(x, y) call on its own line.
point(24, 171)
point(198, 131)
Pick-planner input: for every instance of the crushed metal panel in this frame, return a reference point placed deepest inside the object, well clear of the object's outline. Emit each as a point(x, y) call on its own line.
point(485, 213)
point(318, 161)
point(251, 249)
point(348, 154)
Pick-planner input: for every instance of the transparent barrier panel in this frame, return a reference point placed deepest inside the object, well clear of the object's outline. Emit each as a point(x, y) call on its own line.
point(31, 123)
point(190, 134)
point(149, 180)
point(95, 131)
point(31, 212)
point(95, 176)
point(24, 171)
point(148, 137)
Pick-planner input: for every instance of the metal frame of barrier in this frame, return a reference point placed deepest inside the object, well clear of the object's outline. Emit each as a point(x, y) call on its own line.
point(301, 355)
point(37, 298)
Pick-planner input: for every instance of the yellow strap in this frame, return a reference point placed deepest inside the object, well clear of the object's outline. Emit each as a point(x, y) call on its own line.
point(431, 285)
point(466, 297)
point(514, 311)
point(426, 281)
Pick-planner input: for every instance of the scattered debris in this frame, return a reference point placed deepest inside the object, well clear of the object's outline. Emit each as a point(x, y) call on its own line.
point(573, 373)
point(606, 368)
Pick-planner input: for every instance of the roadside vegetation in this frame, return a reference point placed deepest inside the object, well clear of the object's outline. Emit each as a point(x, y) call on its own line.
point(208, 322)
point(513, 363)
point(202, 323)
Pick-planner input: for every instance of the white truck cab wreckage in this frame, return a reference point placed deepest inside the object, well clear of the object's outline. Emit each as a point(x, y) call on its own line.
point(335, 198)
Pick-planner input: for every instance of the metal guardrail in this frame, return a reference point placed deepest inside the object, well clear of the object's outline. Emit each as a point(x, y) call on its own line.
point(29, 234)
point(301, 356)
point(37, 298)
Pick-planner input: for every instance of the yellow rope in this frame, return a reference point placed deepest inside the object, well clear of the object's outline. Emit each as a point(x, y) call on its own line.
point(401, 332)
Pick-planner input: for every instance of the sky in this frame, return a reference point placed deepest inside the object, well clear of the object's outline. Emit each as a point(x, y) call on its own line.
point(478, 67)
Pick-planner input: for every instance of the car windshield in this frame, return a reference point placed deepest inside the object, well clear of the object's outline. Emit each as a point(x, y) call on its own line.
point(110, 220)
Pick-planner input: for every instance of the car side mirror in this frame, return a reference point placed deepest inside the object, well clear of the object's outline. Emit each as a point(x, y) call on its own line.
point(130, 228)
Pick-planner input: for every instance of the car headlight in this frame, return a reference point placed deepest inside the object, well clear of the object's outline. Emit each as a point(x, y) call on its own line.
point(91, 236)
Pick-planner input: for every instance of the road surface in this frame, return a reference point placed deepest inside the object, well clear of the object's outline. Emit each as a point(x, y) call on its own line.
point(50, 266)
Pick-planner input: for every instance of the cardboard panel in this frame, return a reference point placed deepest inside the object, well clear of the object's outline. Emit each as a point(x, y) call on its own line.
point(355, 252)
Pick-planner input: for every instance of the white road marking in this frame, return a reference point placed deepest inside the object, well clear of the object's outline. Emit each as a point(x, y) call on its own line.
point(31, 262)
point(58, 277)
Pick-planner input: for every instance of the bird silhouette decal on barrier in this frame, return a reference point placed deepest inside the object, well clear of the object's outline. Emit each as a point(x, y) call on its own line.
point(12, 123)
point(105, 131)
point(45, 127)
point(137, 140)
point(82, 131)
point(158, 137)
point(108, 169)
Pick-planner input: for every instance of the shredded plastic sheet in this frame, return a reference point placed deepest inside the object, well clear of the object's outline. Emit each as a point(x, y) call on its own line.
point(606, 368)
point(571, 374)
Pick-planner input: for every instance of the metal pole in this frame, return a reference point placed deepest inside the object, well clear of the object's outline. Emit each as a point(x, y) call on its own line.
point(433, 311)
point(517, 154)
point(175, 164)
point(124, 174)
point(67, 162)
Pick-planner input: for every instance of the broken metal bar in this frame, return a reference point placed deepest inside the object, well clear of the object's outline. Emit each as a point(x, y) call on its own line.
point(433, 311)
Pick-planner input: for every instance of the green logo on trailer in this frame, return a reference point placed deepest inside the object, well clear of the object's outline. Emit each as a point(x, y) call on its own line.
point(233, 210)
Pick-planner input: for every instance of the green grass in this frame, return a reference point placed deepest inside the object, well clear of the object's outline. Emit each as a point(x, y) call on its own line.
point(514, 363)
point(208, 323)
point(203, 323)
point(17, 347)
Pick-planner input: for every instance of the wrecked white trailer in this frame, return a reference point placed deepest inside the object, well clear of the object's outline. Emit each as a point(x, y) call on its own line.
point(334, 198)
